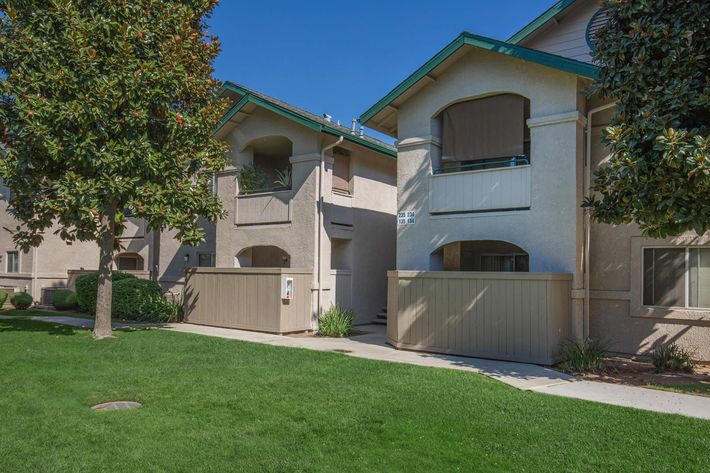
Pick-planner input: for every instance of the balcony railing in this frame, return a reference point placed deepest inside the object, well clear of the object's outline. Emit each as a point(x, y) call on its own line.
point(481, 187)
point(263, 208)
point(512, 161)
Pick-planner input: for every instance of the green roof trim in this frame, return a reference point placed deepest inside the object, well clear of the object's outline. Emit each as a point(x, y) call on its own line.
point(546, 16)
point(551, 60)
point(300, 117)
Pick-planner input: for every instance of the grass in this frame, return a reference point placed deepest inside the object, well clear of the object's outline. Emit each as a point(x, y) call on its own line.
point(697, 389)
point(219, 405)
point(45, 313)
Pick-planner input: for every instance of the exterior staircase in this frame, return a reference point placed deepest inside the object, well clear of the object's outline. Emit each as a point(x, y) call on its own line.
point(381, 317)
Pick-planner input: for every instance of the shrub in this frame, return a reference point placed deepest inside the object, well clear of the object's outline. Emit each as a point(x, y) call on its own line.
point(64, 299)
point(335, 322)
point(142, 300)
point(21, 300)
point(251, 179)
point(671, 357)
point(86, 286)
point(3, 297)
point(582, 357)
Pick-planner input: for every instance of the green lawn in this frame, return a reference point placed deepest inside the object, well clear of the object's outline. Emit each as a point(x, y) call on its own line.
point(220, 406)
point(45, 313)
point(698, 389)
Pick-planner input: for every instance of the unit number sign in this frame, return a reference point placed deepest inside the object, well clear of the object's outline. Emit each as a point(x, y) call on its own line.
point(406, 218)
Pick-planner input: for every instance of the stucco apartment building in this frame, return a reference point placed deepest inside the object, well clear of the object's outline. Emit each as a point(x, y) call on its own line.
point(55, 264)
point(495, 144)
point(346, 241)
point(335, 215)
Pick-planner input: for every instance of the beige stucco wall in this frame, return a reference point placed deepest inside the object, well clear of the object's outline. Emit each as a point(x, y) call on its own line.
point(369, 212)
point(551, 230)
point(54, 257)
point(616, 312)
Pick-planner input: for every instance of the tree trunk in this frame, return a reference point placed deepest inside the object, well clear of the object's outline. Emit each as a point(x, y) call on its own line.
point(102, 322)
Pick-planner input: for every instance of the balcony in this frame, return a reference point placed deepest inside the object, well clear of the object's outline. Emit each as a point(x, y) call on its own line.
point(485, 187)
point(261, 208)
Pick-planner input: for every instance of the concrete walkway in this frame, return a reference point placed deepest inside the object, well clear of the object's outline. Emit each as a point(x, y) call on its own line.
point(372, 345)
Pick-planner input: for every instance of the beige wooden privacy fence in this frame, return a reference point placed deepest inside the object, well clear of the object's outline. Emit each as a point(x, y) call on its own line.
point(507, 316)
point(248, 298)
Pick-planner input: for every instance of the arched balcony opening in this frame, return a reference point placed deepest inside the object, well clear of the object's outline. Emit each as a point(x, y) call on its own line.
point(262, 257)
point(270, 169)
point(480, 255)
point(485, 133)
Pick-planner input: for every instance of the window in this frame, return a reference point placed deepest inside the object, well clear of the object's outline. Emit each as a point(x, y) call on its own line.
point(13, 262)
point(508, 263)
point(206, 260)
point(676, 277)
point(341, 170)
point(129, 263)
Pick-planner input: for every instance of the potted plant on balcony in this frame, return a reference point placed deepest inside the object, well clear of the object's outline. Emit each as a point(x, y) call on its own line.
point(283, 179)
point(251, 179)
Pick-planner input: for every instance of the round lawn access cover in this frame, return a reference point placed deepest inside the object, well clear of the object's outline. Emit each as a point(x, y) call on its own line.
point(116, 406)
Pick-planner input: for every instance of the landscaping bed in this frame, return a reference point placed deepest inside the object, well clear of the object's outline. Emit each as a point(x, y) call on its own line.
point(636, 371)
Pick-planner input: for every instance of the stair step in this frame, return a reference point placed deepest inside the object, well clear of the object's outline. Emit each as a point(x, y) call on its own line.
point(382, 315)
point(379, 322)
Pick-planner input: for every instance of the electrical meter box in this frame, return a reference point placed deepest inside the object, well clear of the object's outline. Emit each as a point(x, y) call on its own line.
point(286, 288)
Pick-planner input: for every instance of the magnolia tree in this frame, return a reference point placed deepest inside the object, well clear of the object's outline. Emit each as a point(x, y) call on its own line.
point(654, 62)
point(108, 107)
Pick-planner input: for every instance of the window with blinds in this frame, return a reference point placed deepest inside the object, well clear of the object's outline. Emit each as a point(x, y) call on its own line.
point(676, 277)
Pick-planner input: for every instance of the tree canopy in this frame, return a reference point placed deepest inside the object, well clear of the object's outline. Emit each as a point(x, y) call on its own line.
point(107, 107)
point(654, 63)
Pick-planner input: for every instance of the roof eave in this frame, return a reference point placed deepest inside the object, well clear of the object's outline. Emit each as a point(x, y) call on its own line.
point(248, 97)
point(540, 21)
point(546, 59)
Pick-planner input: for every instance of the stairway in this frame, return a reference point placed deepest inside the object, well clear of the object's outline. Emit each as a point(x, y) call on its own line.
point(381, 317)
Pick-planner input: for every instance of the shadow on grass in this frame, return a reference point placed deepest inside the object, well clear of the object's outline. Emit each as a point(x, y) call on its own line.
point(24, 325)
point(53, 328)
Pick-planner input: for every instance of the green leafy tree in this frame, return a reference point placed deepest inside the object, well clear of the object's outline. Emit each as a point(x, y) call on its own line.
point(654, 62)
point(107, 106)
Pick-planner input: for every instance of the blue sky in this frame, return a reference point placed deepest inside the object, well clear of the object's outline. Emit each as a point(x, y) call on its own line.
point(341, 57)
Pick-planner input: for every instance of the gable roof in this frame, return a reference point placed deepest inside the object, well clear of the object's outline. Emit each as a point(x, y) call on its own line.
point(244, 95)
point(554, 61)
point(540, 21)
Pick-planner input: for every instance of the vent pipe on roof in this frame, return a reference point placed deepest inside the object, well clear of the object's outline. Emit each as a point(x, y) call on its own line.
point(353, 127)
point(327, 117)
point(362, 131)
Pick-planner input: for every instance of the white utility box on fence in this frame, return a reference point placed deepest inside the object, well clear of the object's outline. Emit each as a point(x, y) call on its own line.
point(286, 288)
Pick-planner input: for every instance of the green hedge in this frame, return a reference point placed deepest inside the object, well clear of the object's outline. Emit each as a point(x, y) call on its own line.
point(3, 297)
point(21, 300)
point(140, 299)
point(64, 299)
point(86, 286)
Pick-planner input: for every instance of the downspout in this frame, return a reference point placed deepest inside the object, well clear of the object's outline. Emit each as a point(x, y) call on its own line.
point(587, 216)
point(321, 172)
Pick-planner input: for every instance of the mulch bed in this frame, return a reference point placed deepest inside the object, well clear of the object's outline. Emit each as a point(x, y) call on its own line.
point(639, 372)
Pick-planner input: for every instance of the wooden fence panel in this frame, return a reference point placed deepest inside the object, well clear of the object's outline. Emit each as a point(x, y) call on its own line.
point(508, 316)
point(248, 298)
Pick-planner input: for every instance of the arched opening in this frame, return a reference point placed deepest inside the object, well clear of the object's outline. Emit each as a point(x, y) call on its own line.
point(262, 257)
point(270, 169)
point(480, 255)
point(485, 133)
point(129, 262)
